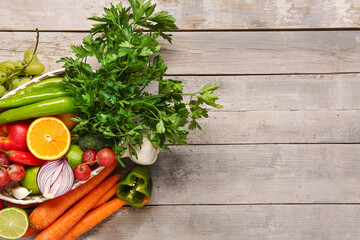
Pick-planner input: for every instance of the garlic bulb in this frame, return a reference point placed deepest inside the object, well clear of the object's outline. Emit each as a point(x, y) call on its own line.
point(146, 154)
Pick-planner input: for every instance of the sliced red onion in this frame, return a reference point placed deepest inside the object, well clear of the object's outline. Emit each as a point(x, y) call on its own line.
point(55, 178)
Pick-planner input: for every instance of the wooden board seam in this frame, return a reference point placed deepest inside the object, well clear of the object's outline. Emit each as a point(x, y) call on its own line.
point(249, 204)
point(259, 74)
point(207, 30)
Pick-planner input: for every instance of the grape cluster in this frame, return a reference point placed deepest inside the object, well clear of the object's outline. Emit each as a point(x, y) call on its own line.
point(10, 171)
point(105, 157)
point(15, 74)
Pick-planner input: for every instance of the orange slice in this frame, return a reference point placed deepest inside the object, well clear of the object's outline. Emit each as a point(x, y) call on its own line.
point(48, 138)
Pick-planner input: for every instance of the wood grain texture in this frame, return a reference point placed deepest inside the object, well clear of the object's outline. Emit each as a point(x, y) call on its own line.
point(278, 127)
point(281, 92)
point(230, 223)
point(248, 174)
point(220, 53)
point(195, 14)
point(236, 180)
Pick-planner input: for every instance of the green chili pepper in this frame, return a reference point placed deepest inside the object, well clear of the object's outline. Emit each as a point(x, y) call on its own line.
point(136, 187)
point(54, 82)
point(44, 108)
point(32, 97)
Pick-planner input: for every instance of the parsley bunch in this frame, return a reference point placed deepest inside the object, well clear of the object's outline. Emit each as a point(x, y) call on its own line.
point(113, 99)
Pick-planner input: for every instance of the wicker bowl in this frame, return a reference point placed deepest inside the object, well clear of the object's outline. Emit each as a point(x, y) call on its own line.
point(39, 198)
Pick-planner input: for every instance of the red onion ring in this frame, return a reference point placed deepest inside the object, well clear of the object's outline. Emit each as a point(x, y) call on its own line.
point(55, 178)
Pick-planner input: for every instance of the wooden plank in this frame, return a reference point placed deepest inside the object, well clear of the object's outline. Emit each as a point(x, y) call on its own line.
point(220, 52)
point(230, 222)
point(318, 126)
point(196, 14)
point(252, 174)
point(281, 92)
point(278, 127)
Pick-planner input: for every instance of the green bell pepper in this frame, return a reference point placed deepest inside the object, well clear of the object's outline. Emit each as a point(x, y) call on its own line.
point(136, 187)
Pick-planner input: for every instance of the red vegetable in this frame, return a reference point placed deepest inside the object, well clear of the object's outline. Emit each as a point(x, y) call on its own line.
point(1, 204)
point(64, 223)
point(47, 212)
point(94, 217)
point(55, 178)
point(24, 158)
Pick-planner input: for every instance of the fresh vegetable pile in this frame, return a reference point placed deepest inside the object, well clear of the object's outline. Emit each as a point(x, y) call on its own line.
point(76, 128)
point(113, 99)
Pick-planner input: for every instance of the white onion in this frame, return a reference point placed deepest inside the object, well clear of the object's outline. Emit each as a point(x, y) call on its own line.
point(55, 178)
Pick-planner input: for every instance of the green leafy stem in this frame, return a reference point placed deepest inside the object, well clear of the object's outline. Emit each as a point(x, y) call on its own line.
point(113, 99)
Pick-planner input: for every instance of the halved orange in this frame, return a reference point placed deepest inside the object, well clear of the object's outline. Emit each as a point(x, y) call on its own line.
point(48, 138)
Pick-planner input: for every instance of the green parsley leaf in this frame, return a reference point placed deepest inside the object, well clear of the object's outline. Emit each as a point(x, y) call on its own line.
point(113, 98)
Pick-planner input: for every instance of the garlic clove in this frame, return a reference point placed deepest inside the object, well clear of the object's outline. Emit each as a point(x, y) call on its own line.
point(20, 192)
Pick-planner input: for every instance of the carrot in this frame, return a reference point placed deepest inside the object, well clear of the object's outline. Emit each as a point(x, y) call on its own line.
point(9, 204)
point(64, 223)
point(31, 231)
point(94, 217)
point(46, 213)
point(106, 196)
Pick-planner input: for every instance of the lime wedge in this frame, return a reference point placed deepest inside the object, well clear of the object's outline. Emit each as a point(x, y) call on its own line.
point(14, 223)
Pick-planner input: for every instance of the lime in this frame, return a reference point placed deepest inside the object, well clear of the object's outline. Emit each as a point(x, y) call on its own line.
point(74, 156)
point(14, 223)
point(29, 181)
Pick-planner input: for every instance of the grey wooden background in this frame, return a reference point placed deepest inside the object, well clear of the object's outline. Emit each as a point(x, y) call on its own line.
point(281, 160)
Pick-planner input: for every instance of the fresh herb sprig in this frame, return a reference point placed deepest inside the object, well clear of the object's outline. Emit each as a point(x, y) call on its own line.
point(113, 99)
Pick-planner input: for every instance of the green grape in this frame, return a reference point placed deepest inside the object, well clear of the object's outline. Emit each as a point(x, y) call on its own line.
point(28, 55)
point(10, 85)
point(2, 90)
point(7, 66)
point(15, 82)
point(35, 68)
point(19, 65)
point(23, 81)
point(20, 81)
point(3, 77)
